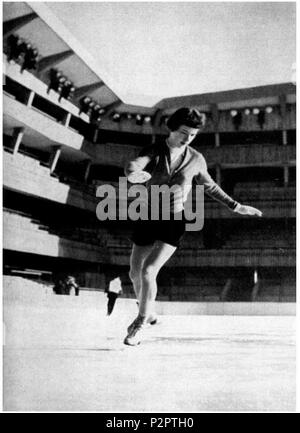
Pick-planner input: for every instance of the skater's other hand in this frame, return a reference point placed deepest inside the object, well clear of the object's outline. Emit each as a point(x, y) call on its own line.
point(139, 176)
point(247, 210)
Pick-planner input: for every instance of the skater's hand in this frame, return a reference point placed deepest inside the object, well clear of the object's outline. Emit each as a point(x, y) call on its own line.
point(247, 210)
point(139, 176)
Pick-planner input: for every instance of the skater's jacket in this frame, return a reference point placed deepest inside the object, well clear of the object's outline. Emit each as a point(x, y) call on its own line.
point(156, 160)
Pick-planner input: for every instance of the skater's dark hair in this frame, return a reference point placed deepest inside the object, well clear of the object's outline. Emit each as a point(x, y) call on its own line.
point(188, 117)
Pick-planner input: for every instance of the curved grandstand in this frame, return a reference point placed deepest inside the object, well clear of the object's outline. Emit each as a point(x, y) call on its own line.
point(66, 132)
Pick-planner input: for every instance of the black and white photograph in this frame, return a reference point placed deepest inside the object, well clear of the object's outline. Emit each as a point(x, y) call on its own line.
point(149, 210)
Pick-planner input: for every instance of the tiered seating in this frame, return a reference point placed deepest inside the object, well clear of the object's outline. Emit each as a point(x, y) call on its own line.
point(31, 236)
point(280, 289)
point(288, 290)
point(192, 286)
point(27, 162)
point(27, 174)
point(263, 191)
point(269, 291)
point(260, 239)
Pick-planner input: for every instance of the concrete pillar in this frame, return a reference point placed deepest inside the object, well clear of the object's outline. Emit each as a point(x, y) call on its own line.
point(87, 170)
point(256, 286)
point(255, 290)
point(218, 175)
point(215, 117)
point(66, 121)
point(226, 289)
point(95, 136)
point(286, 173)
point(54, 158)
point(282, 103)
point(17, 139)
point(284, 137)
point(156, 124)
point(30, 99)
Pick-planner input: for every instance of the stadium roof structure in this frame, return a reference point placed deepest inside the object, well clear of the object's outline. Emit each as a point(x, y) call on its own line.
point(58, 48)
point(264, 93)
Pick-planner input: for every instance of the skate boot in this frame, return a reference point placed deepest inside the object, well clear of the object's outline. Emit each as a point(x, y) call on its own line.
point(151, 320)
point(135, 331)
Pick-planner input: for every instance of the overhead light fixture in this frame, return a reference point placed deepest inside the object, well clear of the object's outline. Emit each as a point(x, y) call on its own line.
point(30, 58)
point(269, 110)
point(91, 104)
point(163, 120)
point(57, 80)
point(247, 111)
point(95, 114)
point(85, 104)
point(62, 79)
point(139, 119)
point(255, 111)
point(148, 119)
point(67, 90)
point(21, 52)
point(116, 117)
point(15, 47)
point(86, 100)
point(261, 118)
point(236, 119)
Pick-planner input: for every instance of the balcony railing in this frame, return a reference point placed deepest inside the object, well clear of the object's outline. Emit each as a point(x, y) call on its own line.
point(32, 83)
point(36, 123)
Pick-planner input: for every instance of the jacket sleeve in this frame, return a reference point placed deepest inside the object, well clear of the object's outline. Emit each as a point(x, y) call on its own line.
point(139, 163)
point(212, 189)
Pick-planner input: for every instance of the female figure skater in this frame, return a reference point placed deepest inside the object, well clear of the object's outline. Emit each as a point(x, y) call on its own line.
point(154, 242)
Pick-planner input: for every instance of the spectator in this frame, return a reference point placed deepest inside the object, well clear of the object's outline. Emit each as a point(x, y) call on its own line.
point(71, 285)
point(60, 287)
point(113, 290)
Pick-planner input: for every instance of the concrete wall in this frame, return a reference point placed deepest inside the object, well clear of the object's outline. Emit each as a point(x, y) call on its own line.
point(23, 291)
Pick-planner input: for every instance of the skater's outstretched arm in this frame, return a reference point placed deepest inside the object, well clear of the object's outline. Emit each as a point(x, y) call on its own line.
point(247, 210)
point(216, 192)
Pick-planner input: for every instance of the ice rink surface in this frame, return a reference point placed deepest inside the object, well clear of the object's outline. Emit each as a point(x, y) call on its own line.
point(66, 355)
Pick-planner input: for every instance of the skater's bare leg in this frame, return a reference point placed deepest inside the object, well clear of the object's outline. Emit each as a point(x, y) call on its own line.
point(138, 255)
point(154, 261)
